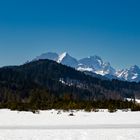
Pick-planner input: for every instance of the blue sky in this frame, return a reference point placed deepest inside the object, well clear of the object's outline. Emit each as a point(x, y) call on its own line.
point(108, 28)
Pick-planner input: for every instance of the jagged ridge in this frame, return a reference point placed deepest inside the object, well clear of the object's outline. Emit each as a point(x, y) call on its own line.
point(95, 65)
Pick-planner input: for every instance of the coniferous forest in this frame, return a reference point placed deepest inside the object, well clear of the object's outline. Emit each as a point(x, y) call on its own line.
point(45, 84)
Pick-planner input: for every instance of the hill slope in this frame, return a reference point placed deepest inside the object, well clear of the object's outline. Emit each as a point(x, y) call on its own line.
point(60, 78)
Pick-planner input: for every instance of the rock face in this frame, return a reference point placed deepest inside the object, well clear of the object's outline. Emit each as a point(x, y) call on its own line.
point(95, 65)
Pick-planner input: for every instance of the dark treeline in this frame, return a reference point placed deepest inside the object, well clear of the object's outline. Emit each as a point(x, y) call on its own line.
point(46, 104)
point(46, 84)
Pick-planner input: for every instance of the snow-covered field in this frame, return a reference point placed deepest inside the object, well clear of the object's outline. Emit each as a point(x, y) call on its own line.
point(99, 134)
point(51, 125)
point(53, 118)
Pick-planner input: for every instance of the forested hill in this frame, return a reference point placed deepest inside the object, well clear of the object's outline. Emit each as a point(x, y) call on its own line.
point(49, 81)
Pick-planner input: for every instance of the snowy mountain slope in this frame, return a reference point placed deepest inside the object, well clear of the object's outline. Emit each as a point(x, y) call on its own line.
point(132, 74)
point(94, 62)
point(66, 59)
point(63, 58)
point(95, 65)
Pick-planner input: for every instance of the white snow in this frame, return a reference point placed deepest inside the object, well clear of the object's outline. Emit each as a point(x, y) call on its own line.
point(100, 72)
point(135, 76)
point(68, 134)
point(62, 81)
point(61, 57)
point(51, 118)
point(136, 100)
point(51, 125)
point(85, 69)
point(132, 74)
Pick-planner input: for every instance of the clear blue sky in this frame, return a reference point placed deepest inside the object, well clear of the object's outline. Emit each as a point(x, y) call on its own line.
point(108, 28)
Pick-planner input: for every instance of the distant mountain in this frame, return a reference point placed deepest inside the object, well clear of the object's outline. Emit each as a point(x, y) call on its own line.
point(94, 64)
point(132, 74)
point(63, 58)
point(49, 55)
point(66, 59)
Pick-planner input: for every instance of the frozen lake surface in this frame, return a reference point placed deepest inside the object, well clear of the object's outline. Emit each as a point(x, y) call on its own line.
point(54, 125)
point(70, 134)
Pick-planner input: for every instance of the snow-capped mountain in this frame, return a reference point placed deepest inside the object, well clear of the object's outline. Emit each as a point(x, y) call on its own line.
point(95, 65)
point(63, 58)
point(66, 59)
point(132, 74)
point(94, 62)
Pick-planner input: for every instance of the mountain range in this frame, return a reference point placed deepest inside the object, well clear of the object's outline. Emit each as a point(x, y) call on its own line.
point(59, 84)
point(94, 65)
point(50, 77)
